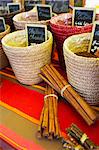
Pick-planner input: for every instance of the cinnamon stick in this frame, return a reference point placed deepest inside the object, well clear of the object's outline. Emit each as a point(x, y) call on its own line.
point(45, 118)
point(54, 78)
point(95, 108)
point(50, 77)
point(79, 99)
point(55, 116)
point(48, 121)
point(73, 103)
point(76, 133)
point(40, 125)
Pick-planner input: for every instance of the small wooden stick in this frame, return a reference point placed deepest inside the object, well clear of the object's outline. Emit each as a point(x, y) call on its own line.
point(95, 108)
point(51, 117)
point(40, 125)
point(8, 75)
point(45, 118)
point(55, 117)
point(45, 132)
point(39, 87)
point(46, 80)
point(10, 69)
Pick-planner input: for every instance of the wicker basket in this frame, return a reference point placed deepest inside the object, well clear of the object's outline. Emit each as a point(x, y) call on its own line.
point(82, 72)
point(27, 61)
point(9, 16)
point(3, 59)
point(21, 19)
point(61, 32)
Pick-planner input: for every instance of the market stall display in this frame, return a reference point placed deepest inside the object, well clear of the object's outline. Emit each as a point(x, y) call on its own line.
point(26, 61)
point(82, 68)
point(62, 29)
point(3, 58)
point(69, 86)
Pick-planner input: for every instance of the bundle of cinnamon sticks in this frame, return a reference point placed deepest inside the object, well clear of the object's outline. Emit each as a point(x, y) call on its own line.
point(69, 144)
point(81, 137)
point(50, 75)
point(49, 126)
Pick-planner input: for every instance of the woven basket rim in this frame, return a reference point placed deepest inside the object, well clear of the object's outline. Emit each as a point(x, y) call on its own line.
point(13, 13)
point(15, 18)
point(53, 23)
point(7, 30)
point(65, 48)
point(27, 47)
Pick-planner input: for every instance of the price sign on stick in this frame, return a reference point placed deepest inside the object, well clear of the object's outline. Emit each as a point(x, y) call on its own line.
point(61, 6)
point(83, 16)
point(76, 3)
point(12, 7)
point(2, 24)
point(36, 34)
point(94, 42)
point(44, 12)
point(29, 7)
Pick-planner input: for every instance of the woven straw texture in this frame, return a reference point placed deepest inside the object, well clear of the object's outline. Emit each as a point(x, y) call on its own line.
point(62, 29)
point(82, 72)
point(30, 17)
point(8, 17)
point(3, 58)
point(27, 61)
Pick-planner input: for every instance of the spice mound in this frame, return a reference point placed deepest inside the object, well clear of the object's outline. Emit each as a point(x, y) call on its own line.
point(86, 54)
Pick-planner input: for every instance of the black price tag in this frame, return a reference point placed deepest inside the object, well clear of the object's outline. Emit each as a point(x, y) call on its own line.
point(44, 12)
point(36, 34)
point(31, 4)
point(2, 25)
point(83, 16)
point(12, 7)
point(78, 3)
point(29, 7)
point(60, 6)
point(94, 42)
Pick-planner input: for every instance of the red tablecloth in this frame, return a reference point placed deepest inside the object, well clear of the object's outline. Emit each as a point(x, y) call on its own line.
point(31, 102)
